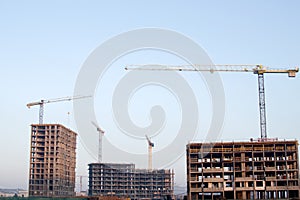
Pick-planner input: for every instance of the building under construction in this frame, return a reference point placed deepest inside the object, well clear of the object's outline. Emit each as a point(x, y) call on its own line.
point(52, 161)
point(123, 180)
point(243, 170)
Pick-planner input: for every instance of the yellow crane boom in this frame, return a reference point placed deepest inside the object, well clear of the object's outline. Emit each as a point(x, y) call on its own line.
point(260, 70)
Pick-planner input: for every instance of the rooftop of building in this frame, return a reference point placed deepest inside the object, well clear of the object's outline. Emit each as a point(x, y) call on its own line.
point(127, 165)
point(54, 124)
point(252, 141)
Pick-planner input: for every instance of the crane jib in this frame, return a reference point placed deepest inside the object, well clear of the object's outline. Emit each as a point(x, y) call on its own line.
point(258, 69)
point(42, 102)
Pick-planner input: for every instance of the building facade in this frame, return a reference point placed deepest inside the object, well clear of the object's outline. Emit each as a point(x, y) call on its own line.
point(243, 170)
point(52, 161)
point(123, 180)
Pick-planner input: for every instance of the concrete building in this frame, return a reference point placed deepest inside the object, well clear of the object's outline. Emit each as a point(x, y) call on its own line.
point(52, 161)
point(243, 170)
point(123, 180)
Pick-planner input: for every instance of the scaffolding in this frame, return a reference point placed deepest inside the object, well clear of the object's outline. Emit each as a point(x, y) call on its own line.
point(243, 170)
point(52, 161)
point(124, 181)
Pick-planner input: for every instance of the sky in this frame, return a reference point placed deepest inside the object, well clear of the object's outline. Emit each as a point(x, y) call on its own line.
point(44, 45)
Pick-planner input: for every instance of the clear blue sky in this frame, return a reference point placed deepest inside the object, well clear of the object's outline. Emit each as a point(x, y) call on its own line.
point(44, 44)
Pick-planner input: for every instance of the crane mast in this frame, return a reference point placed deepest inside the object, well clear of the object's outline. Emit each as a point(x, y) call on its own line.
point(262, 106)
point(150, 146)
point(42, 102)
point(260, 70)
point(101, 133)
point(80, 182)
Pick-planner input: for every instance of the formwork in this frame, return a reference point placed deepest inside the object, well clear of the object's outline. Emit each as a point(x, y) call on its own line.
point(124, 181)
point(243, 170)
point(52, 161)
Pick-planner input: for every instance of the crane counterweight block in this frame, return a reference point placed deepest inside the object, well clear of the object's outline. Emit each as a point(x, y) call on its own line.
point(292, 72)
point(34, 104)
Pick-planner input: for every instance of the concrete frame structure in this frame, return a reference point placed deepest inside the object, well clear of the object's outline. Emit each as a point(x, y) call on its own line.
point(52, 161)
point(243, 170)
point(124, 181)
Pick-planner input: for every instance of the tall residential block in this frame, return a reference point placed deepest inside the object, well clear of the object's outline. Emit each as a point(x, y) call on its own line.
point(243, 170)
point(52, 161)
point(125, 181)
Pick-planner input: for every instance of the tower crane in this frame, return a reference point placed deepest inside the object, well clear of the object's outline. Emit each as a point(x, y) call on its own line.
point(101, 133)
point(80, 181)
point(260, 70)
point(150, 146)
point(42, 102)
